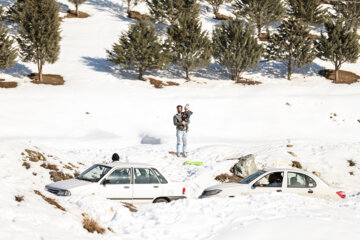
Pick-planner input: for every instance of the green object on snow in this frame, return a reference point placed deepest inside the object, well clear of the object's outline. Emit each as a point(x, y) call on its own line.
point(194, 163)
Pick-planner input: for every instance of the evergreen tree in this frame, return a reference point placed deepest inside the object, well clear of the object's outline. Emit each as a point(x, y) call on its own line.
point(308, 11)
point(340, 45)
point(77, 3)
point(191, 47)
point(39, 33)
point(7, 52)
point(235, 47)
point(165, 11)
point(130, 2)
point(291, 45)
point(259, 12)
point(349, 10)
point(216, 5)
point(15, 9)
point(140, 47)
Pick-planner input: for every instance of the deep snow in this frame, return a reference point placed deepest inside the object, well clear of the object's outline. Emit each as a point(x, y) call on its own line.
point(229, 121)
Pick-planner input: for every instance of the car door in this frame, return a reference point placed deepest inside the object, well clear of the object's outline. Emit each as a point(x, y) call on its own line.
point(300, 183)
point(146, 186)
point(271, 182)
point(118, 185)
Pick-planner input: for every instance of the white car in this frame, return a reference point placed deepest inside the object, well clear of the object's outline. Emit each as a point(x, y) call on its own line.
point(128, 182)
point(276, 180)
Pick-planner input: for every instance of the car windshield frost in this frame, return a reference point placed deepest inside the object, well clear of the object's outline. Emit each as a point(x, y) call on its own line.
point(94, 173)
point(252, 177)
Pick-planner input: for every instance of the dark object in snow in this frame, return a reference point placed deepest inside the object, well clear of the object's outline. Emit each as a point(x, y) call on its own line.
point(296, 164)
point(115, 157)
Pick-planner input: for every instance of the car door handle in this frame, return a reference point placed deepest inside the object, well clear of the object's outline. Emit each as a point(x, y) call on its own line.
point(310, 191)
point(279, 190)
point(156, 186)
point(126, 187)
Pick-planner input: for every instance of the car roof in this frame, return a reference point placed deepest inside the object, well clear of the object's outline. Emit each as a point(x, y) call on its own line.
point(286, 169)
point(127, 164)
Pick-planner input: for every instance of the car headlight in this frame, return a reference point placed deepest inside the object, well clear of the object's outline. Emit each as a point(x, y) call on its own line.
point(210, 193)
point(63, 193)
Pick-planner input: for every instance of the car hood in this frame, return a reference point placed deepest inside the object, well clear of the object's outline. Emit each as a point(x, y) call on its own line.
point(68, 184)
point(227, 186)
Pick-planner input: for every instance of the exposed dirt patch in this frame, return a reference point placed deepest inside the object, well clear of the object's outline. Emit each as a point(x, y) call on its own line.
point(296, 164)
point(50, 200)
point(57, 176)
point(314, 36)
point(91, 225)
point(160, 84)
point(19, 198)
point(226, 178)
point(221, 17)
point(344, 76)
point(26, 165)
point(351, 163)
point(131, 207)
point(34, 156)
point(8, 84)
point(289, 145)
point(72, 14)
point(49, 79)
point(292, 154)
point(49, 166)
point(244, 81)
point(138, 16)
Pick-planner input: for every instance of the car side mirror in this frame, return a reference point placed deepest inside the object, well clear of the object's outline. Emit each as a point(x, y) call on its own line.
point(106, 181)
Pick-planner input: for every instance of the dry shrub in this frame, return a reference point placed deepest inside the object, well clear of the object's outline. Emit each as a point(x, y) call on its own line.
point(49, 166)
point(131, 207)
point(224, 177)
point(91, 225)
point(72, 14)
point(359, 120)
point(296, 164)
point(68, 167)
point(247, 81)
point(316, 173)
point(351, 163)
point(156, 83)
point(221, 17)
point(135, 15)
point(344, 76)
point(50, 200)
point(49, 79)
point(289, 145)
point(35, 156)
point(19, 198)
point(292, 154)
point(57, 176)
point(351, 173)
point(8, 84)
point(170, 83)
point(26, 165)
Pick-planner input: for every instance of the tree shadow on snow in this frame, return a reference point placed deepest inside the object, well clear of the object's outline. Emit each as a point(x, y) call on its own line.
point(115, 8)
point(213, 72)
point(103, 65)
point(18, 70)
point(64, 8)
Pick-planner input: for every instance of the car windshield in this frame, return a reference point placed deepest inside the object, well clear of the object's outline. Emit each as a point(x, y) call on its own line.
point(94, 173)
point(252, 177)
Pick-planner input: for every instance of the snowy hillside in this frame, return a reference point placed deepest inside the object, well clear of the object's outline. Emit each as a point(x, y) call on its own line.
point(103, 109)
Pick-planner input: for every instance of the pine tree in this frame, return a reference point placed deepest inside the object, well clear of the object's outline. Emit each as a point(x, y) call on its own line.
point(190, 45)
point(308, 11)
point(340, 45)
point(291, 45)
point(39, 33)
point(235, 47)
point(216, 5)
point(349, 10)
point(140, 48)
point(259, 12)
point(77, 3)
point(165, 11)
point(8, 53)
point(15, 9)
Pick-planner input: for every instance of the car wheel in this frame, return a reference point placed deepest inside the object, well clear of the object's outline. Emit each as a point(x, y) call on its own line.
point(161, 200)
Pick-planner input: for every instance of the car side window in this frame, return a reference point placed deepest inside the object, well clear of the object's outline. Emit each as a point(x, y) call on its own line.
point(299, 180)
point(273, 179)
point(160, 177)
point(120, 176)
point(145, 176)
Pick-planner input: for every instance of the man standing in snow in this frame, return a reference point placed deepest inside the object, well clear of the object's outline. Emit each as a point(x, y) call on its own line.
point(181, 126)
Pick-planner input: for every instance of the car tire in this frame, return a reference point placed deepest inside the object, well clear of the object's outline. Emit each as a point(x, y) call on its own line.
point(161, 200)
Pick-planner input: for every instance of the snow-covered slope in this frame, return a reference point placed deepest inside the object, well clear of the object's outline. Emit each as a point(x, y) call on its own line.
point(103, 109)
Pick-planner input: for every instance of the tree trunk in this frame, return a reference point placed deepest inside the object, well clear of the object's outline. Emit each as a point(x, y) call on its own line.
point(77, 9)
point(141, 74)
point(216, 10)
point(128, 5)
point(259, 29)
point(336, 74)
point(40, 72)
point(187, 74)
point(289, 70)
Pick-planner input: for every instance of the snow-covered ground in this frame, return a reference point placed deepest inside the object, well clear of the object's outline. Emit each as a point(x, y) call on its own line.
point(103, 109)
